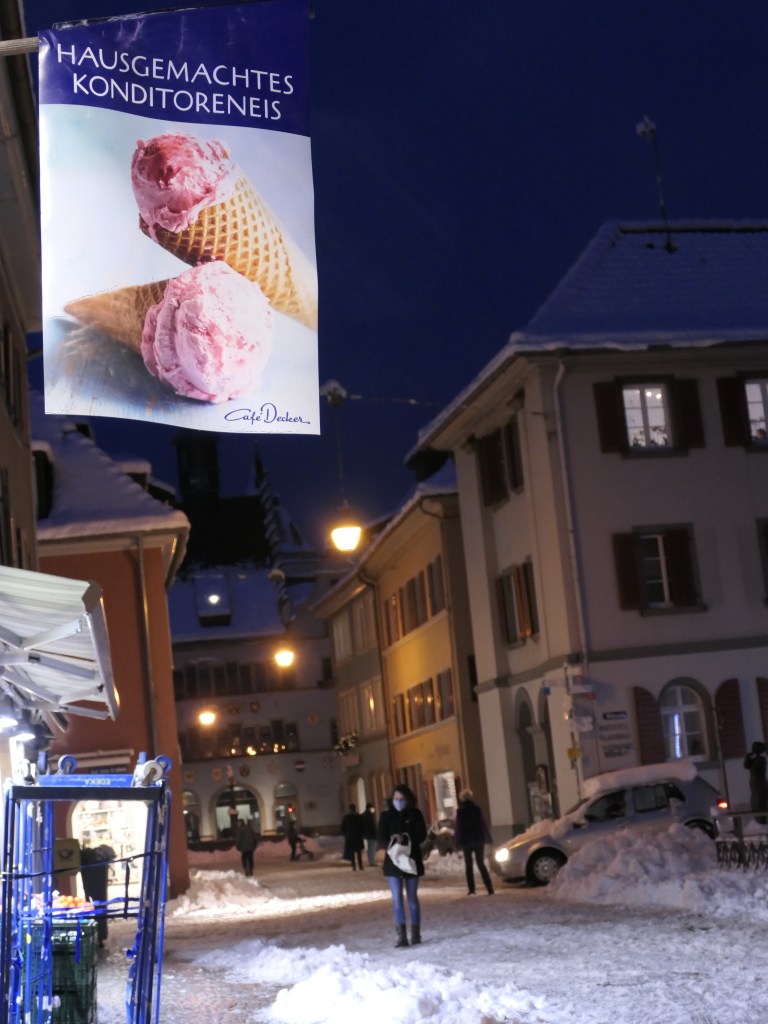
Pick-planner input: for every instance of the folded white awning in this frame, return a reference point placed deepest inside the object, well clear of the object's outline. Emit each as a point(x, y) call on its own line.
point(54, 648)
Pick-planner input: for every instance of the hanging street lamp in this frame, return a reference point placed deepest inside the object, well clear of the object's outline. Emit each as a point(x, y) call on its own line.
point(346, 531)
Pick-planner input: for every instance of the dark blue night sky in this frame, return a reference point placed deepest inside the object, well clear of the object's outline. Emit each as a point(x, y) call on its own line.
point(465, 152)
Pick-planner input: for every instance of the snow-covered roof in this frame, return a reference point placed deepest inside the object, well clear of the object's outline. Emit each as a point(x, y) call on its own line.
point(627, 292)
point(252, 604)
point(92, 494)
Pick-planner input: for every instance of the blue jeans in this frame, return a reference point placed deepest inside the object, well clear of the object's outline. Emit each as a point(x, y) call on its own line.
point(411, 894)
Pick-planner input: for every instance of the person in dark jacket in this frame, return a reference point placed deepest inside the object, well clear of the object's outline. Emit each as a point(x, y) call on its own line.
point(370, 833)
point(246, 842)
point(470, 834)
point(757, 766)
point(352, 830)
point(402, 821)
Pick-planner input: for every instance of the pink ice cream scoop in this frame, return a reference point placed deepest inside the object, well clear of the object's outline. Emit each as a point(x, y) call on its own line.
point(211, 334)
point(176, 175)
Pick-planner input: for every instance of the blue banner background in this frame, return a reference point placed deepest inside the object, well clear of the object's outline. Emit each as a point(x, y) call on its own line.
point(267, 44)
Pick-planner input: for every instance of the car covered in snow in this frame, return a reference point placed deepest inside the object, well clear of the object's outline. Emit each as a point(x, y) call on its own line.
point(646, 799)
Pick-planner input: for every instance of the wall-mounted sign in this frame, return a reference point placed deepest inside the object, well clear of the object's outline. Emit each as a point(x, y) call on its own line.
point(179, 280)
point(233, 709)
point(216, 774)
point(614, 716)
point(245, 770)
point(255, 707)
point(313, 718)
point(300, 765)
point(189, 776)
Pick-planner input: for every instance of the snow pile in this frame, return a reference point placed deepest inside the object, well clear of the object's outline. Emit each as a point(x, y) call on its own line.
point(447, 865)
point(332, 986)
point(677, 869)
point(217, 891)
point(642, 775)
point(230, 895)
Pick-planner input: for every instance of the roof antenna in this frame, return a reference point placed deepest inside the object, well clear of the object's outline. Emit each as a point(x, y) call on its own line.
point(647, 129)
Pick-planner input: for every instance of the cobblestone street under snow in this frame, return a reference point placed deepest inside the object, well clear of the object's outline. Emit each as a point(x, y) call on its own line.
point(523, 957)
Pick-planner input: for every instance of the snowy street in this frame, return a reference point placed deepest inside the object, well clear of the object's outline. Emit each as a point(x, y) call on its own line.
point(524, 957)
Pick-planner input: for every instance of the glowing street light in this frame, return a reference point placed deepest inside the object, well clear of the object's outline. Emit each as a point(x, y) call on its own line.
point(346, 533)
point(284, 657)
point(207, 717)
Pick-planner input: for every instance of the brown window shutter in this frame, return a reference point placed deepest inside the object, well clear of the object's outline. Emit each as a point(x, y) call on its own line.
point(521, 601)
point(611, 422)
point(733, 411)
point(687, 410)
point(627, 570)
point(514, 453)
point(678, 549)
point(490, 456)
point(501, 603)
point(730, 721)
point(762, 697)
point(649, 732)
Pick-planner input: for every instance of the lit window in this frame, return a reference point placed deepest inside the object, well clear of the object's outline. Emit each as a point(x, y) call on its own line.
point(757, 404)
point(645, 411)
point(682, 716)
point(654, 571)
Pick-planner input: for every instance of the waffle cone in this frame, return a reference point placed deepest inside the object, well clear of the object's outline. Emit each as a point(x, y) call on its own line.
point(246, 234)
point(119, 313)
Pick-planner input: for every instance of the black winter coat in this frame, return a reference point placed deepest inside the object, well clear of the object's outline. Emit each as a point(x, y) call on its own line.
point(409, 821)
point(352, 830)
point(470, 827)
point(756, 764)
point(369, 825)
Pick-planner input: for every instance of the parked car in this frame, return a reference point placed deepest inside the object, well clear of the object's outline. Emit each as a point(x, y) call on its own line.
point(538, 854)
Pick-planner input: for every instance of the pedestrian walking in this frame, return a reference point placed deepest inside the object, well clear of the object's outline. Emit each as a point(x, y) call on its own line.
point(471, 833)
point(402, 830)
point(246, 841)
point(370, 833)
point(352, 830)
point(292, 835)
point(757, 766)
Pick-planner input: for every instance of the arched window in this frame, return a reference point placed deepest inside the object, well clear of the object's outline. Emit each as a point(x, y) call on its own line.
point(286, 806)
point(246, 808)
point(683, 723)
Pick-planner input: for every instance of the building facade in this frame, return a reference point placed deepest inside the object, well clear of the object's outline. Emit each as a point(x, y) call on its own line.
point(614, 501)
point(255, 737)
point(416, 566)
point(350, 609)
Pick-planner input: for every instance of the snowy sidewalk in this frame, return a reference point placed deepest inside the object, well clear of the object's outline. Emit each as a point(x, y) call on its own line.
point(519, 956)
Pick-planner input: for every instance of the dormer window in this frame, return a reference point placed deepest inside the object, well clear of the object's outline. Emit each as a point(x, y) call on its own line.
point(646, 414)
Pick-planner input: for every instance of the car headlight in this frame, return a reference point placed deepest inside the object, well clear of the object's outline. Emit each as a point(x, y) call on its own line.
point(502, 855)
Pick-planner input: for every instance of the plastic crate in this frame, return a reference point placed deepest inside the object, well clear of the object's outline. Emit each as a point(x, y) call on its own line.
point(75, 945)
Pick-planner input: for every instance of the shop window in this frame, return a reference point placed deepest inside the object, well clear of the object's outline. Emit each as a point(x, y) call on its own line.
point(683, 724)
point(233, 804)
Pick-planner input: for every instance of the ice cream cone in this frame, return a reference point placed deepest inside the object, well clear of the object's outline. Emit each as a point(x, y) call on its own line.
point(244, 233)
point(119, 313)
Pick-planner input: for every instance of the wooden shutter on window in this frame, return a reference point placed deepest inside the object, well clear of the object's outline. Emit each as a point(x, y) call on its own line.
point(730, 720)
point(649, 733)
point(678, 548)
point(490, 456)
point(514, 453)
point(627, 570)
point(611, 422)
point(521, 602)
point(501, 603)
point(733, 411)
point(689, 423)
point(762, 697)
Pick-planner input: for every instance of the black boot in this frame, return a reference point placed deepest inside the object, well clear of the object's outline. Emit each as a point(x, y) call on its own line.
point(415, 935)
point(402, 936)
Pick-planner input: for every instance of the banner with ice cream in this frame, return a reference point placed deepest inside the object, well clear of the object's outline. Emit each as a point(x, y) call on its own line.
point(179, 278)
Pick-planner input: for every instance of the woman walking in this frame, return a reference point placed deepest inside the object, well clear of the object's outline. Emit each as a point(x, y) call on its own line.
point(402, 830)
